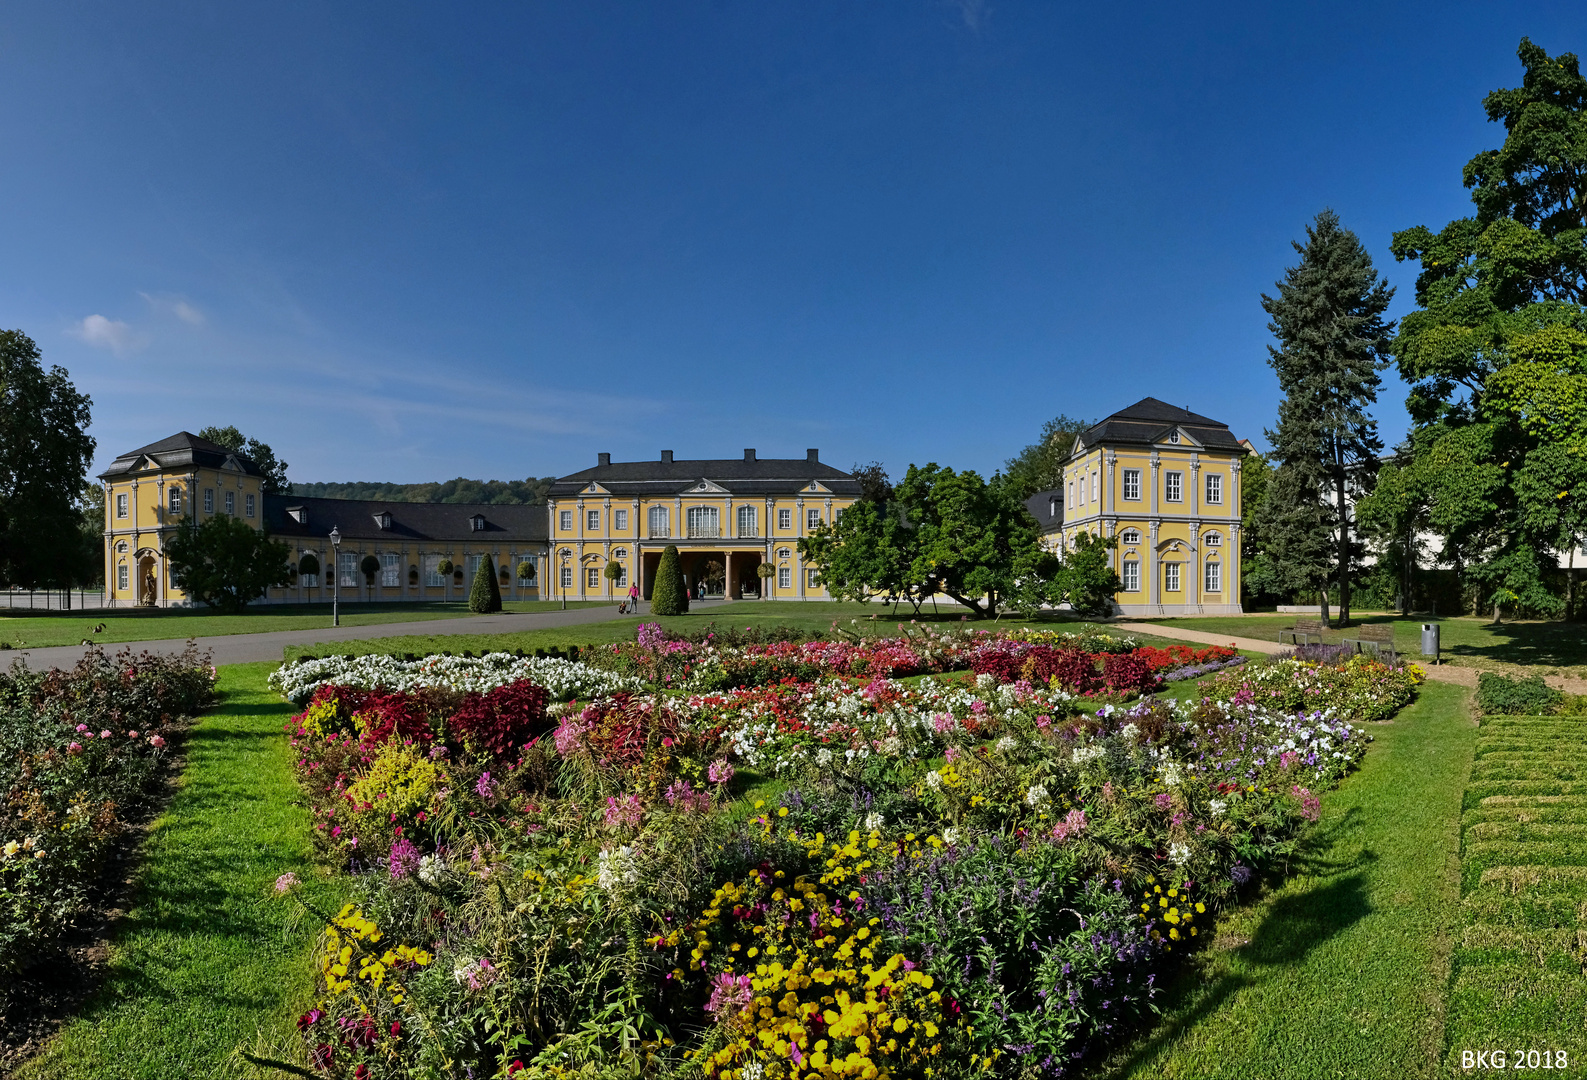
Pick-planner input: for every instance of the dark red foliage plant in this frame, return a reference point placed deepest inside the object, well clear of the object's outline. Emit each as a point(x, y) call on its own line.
point(500, 720)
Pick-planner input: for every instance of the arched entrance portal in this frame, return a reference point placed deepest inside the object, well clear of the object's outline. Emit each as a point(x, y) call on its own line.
point(148, 582)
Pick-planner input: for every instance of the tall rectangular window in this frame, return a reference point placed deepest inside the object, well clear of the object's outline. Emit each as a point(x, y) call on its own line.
point(209, 500)
point(1174, 486)
point(390, 569)
point(1094, 487)
point(1069, 500)
point(565, 520)
point(310, 580)
point(121, 506)
point(175, 497)
point(1082, 491)
point(704, 521)
point(567, 577)
point(121, 576)
point(592, 578)
point(620, 524)
point(622, 576)
point(1132, 485)
point(247, 505)
point(659, 524)
point(347, 569)
point(1214, 488)
point(812, 580)
point(471, 567)
point(812, 519)
point(592, 521)
point(1132, 576)
point(1171, 577)
point(231, 503)
point(784, 578)
point(747, 525)
point(785, 519)
point(433, 578)
point(1214, 577)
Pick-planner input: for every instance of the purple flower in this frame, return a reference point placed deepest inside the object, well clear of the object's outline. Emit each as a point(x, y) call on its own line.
point(486, 786)
point(720, 772)
point(404, 858)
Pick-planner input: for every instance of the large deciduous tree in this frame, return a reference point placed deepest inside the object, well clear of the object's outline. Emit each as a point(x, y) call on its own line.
point(45, 451)
point(1040, 466)
point(1332, 343)
point(275, 472)
point(1496, 352)
point(225, 563)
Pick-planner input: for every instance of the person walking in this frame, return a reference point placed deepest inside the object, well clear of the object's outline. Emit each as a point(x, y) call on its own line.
point(633, 599)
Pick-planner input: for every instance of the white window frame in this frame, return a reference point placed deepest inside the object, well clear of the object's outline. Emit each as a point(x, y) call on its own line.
point(174, 500)
point(123, 576)
point(812, 518)
point(1213, 539)
point(1174, 487)
point(248, 505)
point(784, 578)
point(1130, 536)
point(390, 569)
point(1213, 579)
point(209, 500)
point(1132, 485)
point(704, 522)
point(592, 521)
point(231, 504)
point(1214, 489)
point(567, 577)
point(810, 578)
point(1173, 436)
point(309, 581)
point(660, 522)
point(592, 578)
point(785, 519)
point(433, 578)
point(748, 523)
point(622, 576)
point(121, 505)
point(1171, 577)
point(564, 521)
point(1095, 478)
point(1132, 575)
point(347, 569)
point(620, 520)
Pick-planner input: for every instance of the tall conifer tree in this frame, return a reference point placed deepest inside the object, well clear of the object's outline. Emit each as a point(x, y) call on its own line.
point(1332, 343)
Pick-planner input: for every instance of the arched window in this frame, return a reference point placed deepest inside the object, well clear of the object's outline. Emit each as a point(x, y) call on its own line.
point(1131, 536)
point(658, 521)
point(1214, 539)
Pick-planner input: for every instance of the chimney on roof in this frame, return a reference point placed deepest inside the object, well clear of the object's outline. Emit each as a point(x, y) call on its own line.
point(812, 455)
point(666, 457)
point(604, 459)
point(749, 453)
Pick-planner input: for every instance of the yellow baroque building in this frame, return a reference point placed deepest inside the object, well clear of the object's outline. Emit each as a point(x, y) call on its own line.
point(1166, 482)
point(151, 490)
point(728, 517)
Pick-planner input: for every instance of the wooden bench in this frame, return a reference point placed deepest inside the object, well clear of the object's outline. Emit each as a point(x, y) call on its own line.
point(1304, 631)
point(1379, 637)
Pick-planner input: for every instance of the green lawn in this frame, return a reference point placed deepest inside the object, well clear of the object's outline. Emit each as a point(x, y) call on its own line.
point(1340, 970)
point(1554, 647)
point(1518, 980)
point(41, 629)
point(201, 965)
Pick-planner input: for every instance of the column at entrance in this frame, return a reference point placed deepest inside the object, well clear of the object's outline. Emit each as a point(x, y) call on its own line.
point(728, 590)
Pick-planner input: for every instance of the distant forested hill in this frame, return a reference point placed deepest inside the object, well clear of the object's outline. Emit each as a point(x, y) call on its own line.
point(501, 492)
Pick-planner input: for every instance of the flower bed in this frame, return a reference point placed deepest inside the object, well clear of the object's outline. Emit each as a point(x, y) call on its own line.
point(1360, 688)
point(978, 875)
point(81, 754)
point(565, 679)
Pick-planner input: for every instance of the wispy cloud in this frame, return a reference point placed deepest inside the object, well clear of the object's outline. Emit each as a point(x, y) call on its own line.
point(975, 13)
point(113, 334)
point(174, 305)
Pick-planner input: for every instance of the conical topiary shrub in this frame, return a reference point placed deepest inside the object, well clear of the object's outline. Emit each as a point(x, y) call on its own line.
point(668, 597)
point(485, 597)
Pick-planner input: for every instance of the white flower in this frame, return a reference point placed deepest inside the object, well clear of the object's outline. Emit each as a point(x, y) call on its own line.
point(986, 681)
point(1007, 744)
point(1129, 732)
point(823, 756)
point(431, 867)
point(1036, 797)
point(616, 868)
point(752, 1071)
point(934, 779)
point(1179, 854)
point(951, 834)
point(1218, 806)
point(1171, 775)
point(1083, 754)
point(873, 821)
point(12, 848)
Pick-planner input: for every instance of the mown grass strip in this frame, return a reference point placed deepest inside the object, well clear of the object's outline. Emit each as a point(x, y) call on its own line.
point(1340, 970)
point(201, 964)
point(1518, 978)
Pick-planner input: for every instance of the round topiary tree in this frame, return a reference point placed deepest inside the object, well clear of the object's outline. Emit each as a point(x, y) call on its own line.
point(613, 572)
point(370, 566)
point(668, 597)
point(485, 597)
point(444, 567)
point(309, 564)
point(764, 571)
point(526, 570)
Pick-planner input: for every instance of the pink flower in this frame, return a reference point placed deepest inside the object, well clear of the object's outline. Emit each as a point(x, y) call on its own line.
point(75, 748)
point(720, 772)
point(104, 734)
point(156, 742)
point(285, 882)
point(82, 727)
point(132, 734)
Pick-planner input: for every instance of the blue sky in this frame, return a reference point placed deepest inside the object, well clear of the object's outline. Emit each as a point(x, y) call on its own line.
point(401, 243)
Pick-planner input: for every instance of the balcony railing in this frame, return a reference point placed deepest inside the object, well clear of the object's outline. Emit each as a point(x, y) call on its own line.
point(705, 532)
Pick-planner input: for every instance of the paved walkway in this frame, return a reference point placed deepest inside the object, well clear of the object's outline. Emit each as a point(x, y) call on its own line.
point(246, 648)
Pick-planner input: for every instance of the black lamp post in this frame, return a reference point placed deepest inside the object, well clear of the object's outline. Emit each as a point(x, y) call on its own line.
point(336, 576)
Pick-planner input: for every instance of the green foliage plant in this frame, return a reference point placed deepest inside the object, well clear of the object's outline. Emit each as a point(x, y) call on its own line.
point(370, 566)
point(1040, 466)
point(225, 563)
point(1087, 578)
point(526, 570)
point(485, 597)
point(274, 470)
point(309, 564)
point(1500, 695)
point(667, 596)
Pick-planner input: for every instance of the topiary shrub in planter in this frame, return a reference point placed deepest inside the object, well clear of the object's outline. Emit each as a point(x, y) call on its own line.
point(485, 597)
point(668, 597)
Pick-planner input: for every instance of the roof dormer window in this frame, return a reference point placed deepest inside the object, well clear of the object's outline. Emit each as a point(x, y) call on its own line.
point(478, 522)
point(383, 520)
point(299, 514)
